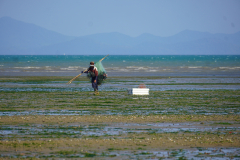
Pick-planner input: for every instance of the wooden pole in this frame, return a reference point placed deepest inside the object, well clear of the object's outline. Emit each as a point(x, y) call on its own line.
point(103, 58)
point(85, 71)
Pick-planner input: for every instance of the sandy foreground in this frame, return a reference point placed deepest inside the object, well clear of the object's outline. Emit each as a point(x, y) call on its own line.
point(42, 120)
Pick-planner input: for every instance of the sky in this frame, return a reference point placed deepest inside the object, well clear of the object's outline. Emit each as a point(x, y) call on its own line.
point(131, 17)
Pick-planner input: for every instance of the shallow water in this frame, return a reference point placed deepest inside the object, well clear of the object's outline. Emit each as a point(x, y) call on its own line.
point(194, 153)
point(116, 85)
point(145, 111)
point(116, 129)
point(121, 63)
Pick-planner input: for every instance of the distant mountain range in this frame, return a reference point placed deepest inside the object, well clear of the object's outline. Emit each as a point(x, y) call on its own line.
point(20, 38)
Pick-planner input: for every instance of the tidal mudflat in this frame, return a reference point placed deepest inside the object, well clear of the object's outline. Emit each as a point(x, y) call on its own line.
point(183, 118)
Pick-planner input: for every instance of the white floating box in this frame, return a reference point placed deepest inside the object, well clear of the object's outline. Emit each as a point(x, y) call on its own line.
point(139, 91)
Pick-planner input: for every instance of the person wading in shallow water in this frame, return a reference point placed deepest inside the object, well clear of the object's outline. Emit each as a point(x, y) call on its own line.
point(93, 73)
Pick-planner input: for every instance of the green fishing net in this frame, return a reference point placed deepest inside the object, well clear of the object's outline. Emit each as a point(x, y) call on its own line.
point(102, 74)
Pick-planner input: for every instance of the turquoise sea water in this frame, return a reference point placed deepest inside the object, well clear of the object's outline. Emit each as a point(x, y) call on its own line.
point(120, 65)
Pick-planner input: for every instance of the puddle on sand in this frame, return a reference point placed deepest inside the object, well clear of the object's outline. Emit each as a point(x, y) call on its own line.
point(113, 129)
point(127, 84)
point(45, 112)
point(123, 88)
point(193, 153)
point(144, 111)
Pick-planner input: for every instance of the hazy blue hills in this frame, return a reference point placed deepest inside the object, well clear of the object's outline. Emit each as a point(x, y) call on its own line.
point(17, 36)
point(20, 38)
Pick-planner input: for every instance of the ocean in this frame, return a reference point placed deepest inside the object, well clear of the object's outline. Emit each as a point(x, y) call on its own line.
point(121, 65)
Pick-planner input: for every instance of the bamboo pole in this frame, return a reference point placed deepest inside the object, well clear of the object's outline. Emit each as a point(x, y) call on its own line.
point(103, 58)
point(85, 71)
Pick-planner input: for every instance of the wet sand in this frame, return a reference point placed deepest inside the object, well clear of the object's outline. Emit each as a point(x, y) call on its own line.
point(41, 117)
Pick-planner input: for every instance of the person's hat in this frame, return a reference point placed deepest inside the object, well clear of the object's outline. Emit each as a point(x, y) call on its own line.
point(92, 63)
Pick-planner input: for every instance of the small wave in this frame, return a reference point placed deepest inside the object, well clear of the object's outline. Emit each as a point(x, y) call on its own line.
point(229, 67)
point(142, 68)
point(43, 71)
point(27, 67)
point(71, 68)
point(195, 67)
point(123, 70)
point(131, 67)
point(112, 68)
point(153, 70)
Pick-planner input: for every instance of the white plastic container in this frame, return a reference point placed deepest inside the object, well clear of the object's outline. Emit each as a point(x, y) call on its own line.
point(138, 91)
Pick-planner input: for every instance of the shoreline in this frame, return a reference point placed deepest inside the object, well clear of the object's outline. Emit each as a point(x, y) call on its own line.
point(130, 74)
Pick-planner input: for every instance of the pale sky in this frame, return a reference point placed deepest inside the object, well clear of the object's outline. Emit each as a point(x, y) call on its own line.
point(130, 17)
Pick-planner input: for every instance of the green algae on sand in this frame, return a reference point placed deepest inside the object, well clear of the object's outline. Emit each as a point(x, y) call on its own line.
point(55, 123)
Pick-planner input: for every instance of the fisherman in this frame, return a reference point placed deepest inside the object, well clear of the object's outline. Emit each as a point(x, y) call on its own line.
point(93, 73)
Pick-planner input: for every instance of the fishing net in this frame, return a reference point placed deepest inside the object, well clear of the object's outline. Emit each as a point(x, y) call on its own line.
point(102, 74)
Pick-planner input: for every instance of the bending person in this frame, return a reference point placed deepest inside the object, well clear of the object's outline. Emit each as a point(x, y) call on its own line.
point(93, 73)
